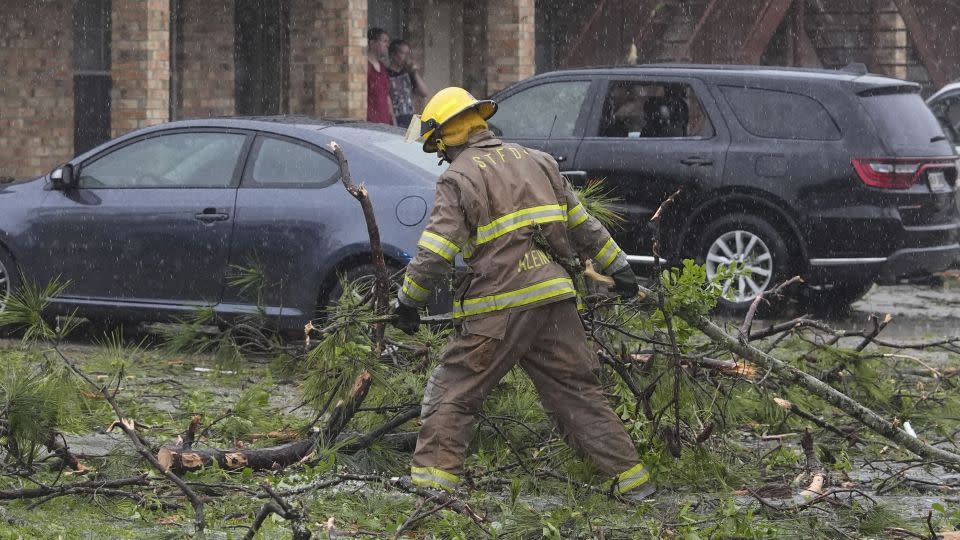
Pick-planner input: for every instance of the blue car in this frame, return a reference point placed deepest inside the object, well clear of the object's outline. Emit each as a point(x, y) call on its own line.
point(161, 221)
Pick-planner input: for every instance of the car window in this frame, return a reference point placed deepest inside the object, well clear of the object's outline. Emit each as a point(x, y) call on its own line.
point(634, 109)
point(780, 115)
point(906, 124)
point(548, 110)
point(947, 111)
point(278, 162)
point(176, 160)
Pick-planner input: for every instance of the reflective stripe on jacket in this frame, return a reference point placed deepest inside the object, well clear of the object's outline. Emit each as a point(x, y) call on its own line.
point(489, 204)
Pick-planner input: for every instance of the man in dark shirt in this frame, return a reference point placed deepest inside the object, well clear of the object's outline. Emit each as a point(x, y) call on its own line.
point(406, 83)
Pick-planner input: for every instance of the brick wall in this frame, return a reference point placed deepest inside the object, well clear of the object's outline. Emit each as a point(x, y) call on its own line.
point(36, 89)
point(205, 60)
point(510, 51)
point(140, 55)
point(306, 39)
point(340, 84)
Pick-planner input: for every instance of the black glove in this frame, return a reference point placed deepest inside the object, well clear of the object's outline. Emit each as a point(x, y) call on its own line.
point(408, 318)
point(625, 282)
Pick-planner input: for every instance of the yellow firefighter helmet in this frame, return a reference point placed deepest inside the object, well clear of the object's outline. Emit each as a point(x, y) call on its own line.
point(450, 116)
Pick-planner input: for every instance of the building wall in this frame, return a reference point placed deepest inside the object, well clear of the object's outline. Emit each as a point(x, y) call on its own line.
point(36, 89)
point(205, 58)
point(340, 83)
point(140, 64)
point(510, 42)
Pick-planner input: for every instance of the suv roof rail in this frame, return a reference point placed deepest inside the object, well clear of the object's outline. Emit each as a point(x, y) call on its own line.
point(853, 68)
point(857, 68)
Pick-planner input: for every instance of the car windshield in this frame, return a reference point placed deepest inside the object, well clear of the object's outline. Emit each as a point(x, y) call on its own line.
point(906, 125)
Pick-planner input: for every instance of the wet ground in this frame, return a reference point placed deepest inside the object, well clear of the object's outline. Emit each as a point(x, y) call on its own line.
point(919, 312)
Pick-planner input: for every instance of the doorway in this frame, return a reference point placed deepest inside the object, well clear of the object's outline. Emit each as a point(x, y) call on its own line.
point(261, 53)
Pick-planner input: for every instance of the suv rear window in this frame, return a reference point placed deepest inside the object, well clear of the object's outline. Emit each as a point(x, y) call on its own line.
point(781, 115)
point(906, 125)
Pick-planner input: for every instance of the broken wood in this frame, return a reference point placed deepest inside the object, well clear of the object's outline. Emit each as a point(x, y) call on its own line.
point(282, 508)
point(179, 460)
point(345, 409)
point(851, 436)
point(816, 473)
point(76, 488)
point(195, 500)
point(834, 397)
point(57, 445)
point(744, 333)
point(381, 289)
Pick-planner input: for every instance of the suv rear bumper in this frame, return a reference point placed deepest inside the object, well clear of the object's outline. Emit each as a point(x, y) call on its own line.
point(902, 264)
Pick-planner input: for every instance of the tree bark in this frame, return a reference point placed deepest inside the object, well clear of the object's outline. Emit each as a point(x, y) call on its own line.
point(180, 460)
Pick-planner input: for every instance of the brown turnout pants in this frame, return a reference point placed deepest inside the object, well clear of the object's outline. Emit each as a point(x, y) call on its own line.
point(550, 344)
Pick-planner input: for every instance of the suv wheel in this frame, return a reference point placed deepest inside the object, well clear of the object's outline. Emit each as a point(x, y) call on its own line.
point(747, 239)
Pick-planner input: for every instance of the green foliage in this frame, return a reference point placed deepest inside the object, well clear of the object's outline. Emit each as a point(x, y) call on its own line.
point(23, 311)
point(252, 405)
point(600, 203)
point(39, 400)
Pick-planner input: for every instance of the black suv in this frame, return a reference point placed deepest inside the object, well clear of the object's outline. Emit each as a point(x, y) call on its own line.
point(843, 177)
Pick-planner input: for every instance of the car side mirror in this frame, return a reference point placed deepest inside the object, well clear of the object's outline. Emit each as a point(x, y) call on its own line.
point(62, 177)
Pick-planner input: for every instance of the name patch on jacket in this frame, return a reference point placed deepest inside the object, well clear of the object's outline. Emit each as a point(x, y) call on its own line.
point(533, 259)
point(500, 155)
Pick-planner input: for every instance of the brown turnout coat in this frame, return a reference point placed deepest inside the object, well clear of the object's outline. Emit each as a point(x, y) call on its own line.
point(489, 204)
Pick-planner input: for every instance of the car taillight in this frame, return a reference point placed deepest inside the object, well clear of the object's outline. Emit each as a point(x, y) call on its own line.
point(897, 173)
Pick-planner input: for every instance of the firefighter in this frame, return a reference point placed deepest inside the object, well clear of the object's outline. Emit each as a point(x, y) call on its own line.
point(521, 231)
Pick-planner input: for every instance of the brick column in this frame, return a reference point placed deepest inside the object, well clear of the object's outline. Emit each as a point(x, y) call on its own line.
point(340, 85)
point(510, 42)
point(140, 53)
point(36, 86)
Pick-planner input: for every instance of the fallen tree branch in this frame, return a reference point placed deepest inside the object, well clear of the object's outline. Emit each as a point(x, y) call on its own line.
point(89, 486)
point(815, 471)
point(180, 459)
point(366, 440)
point(195, 500)
point(345, 409)
point(744, 333)
point(826, 392)
point(282, 508)
point(793, 408)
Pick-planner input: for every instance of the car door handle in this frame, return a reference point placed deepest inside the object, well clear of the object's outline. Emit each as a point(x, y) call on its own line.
point(696, 161)
point(210, 215)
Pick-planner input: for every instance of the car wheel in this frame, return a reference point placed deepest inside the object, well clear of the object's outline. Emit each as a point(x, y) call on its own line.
point(833, 299)
point(8, 277)
point(747, 239)
point(362, 274)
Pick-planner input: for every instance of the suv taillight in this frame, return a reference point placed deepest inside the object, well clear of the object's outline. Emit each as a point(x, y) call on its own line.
point(897, 173)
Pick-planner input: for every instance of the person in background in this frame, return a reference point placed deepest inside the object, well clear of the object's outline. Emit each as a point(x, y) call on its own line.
point(405, 82)
point(379, 109)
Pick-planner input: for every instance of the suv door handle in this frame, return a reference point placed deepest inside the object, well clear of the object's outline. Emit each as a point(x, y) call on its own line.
point(210, 215)
point(695, 161)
